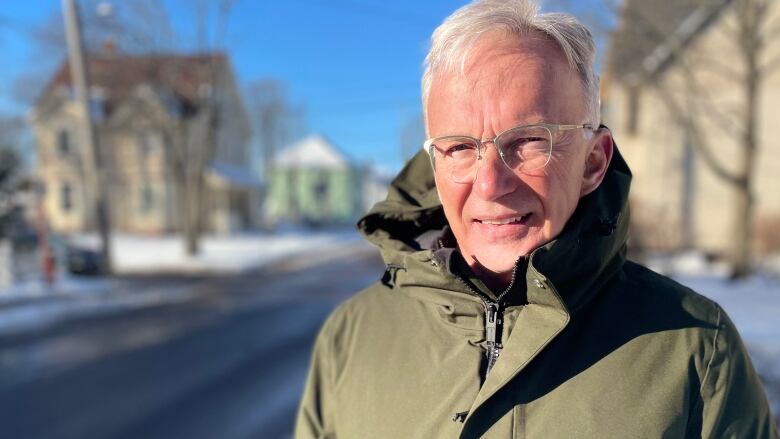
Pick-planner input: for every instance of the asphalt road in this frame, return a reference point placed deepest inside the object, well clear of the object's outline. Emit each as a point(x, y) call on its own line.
point(228, 360)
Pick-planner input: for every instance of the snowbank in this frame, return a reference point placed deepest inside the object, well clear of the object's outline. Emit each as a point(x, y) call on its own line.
point(34, 304)
point(219, 254)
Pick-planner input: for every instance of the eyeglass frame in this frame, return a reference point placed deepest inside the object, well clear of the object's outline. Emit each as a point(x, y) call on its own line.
point(481, 143)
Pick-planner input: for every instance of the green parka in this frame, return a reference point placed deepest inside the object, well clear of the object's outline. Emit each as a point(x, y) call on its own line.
point(594, 346)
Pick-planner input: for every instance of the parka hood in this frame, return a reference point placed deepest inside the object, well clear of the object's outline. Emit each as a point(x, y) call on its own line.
point(412, 207)
point(587, 252)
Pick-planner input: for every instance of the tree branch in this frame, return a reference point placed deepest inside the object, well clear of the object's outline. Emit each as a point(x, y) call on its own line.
point(726, 124)
point(717, 66)
point(770, 66)
point(700, 143)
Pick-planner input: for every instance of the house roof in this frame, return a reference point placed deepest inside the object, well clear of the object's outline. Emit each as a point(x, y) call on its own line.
point(313, 152)
point(118, 75)
point(651, 33)
point(235, 175)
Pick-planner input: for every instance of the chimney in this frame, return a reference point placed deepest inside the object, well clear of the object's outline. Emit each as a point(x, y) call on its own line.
point(109, 46)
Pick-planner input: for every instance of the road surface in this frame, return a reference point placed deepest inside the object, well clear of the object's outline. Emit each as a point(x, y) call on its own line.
point(226, 359)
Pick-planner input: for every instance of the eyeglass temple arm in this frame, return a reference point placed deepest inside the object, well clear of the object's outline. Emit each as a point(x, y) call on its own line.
point(574, 127)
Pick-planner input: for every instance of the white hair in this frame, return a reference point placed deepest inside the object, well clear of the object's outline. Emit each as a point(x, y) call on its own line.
point(453, 40)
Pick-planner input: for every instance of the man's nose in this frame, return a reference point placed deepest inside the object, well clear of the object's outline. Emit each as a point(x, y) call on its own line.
point(494, 179)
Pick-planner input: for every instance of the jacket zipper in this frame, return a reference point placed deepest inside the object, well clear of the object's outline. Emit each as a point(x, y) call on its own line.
point(493, 347)
point(494, 313)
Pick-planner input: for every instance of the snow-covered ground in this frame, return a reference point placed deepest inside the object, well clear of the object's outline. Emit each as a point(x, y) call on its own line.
point(219, 254)
point(33, 304)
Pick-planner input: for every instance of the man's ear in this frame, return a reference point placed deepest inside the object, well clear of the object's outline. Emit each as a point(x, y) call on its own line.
point(597, 161)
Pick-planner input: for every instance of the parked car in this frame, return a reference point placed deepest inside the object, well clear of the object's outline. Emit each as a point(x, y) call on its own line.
point(83, 260)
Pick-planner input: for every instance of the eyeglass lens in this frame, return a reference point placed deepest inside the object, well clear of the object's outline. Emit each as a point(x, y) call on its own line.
point(523, 150)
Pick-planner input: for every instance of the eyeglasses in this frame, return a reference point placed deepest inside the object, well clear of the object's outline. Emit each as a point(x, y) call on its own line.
point(524, 149)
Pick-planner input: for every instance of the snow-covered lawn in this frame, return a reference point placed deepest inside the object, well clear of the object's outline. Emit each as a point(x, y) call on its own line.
point(31, 304)
point(219, 254)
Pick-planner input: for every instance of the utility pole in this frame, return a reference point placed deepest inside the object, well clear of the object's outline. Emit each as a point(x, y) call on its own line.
point(90, 153)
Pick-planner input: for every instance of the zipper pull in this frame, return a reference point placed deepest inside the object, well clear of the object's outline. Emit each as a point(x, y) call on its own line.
point(491, 325)
point(491, 313)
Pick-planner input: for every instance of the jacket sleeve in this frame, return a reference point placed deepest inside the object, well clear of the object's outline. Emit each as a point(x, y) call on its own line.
point(733, 401)
point(313, 420)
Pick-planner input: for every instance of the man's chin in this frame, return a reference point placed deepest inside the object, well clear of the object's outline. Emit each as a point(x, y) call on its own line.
point(499, 260)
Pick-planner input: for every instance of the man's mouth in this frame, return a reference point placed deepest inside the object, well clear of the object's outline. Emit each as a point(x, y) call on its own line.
point(521, 219)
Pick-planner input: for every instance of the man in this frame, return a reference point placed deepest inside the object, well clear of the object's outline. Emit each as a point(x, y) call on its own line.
point(508, 308)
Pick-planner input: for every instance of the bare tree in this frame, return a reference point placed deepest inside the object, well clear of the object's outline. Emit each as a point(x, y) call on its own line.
point(197, 143)
point(133, 26)
point(275, 122)
point(701, 111)
point(191, 152)
point(9, 168)
point(651, 49)
point(143, 28)
point(11, 134)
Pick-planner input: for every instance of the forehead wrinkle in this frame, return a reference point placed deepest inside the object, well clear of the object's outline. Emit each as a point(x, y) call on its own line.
point(514, 77)
point(531, 54)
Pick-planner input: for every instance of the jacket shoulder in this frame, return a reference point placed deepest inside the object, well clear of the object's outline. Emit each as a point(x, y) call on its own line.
point(729, 399)
point(373, 298)
point(666, 295)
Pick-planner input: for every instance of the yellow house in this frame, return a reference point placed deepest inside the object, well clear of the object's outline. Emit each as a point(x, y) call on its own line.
point(675, 94)
point(146, 111)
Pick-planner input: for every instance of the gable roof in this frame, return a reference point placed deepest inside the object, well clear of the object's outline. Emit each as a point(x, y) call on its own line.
point(650, 34)
point(118, 75)
point(235, 175)
point(312, 152)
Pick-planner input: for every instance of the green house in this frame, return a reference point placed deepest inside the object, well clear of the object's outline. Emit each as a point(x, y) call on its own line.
point(313, 183)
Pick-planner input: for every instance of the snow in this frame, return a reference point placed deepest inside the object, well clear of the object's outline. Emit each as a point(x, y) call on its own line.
point(753, 304)
point(33, 304)
point(219, 254)
point(238, 176)
point(312, 152)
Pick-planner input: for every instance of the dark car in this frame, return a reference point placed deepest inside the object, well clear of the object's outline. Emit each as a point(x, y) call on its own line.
point(83, 261)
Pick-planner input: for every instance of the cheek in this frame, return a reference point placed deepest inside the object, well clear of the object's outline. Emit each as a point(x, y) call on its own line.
point(453, 197)
point(564, 191)
point(561, 190)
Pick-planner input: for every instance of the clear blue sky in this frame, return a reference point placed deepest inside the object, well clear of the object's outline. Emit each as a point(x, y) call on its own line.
point(352, 65)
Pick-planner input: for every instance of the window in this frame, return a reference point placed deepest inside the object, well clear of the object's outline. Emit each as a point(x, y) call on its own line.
point(146, 144)
point(321, 186)
point(97, 109)
point(321, 192)
point(97, 104)
point(147, 199)
point(66, 197)
point(63, 142)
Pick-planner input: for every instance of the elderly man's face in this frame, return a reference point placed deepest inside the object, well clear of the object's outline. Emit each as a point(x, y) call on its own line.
point(509, 83)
